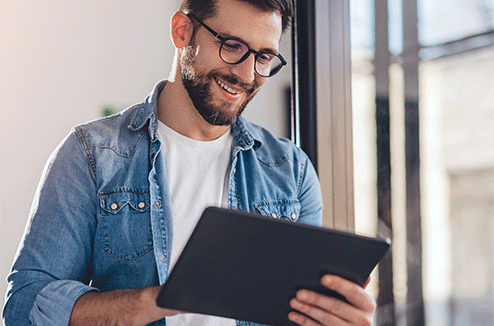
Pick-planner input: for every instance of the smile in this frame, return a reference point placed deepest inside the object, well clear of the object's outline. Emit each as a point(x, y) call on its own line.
point(226, 87)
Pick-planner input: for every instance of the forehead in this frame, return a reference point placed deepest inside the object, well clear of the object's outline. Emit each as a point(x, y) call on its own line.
point(261, 30)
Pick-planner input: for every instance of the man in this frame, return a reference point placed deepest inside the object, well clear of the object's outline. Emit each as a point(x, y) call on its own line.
point(120, 196)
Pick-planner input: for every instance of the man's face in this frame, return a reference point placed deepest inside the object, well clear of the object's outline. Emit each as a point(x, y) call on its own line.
point(220, 91)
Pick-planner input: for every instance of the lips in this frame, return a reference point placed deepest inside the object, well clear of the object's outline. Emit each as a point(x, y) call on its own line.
point(227, 88)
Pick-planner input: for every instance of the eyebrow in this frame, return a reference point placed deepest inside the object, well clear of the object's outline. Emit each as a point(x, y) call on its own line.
point(225, 35)
point(228, 36)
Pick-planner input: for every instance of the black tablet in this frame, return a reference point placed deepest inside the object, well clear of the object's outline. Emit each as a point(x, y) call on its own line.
point(248, 267)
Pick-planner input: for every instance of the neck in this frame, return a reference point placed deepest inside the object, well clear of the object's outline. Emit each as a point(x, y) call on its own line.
point(176, 110)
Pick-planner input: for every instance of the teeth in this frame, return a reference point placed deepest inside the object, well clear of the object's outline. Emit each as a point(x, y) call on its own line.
point(226, 88)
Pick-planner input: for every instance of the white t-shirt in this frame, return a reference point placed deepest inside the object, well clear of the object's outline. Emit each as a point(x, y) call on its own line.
point(198, 177)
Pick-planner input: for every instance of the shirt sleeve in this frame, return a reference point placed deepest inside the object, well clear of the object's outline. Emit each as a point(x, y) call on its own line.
point(52, 268)
point(54, 303)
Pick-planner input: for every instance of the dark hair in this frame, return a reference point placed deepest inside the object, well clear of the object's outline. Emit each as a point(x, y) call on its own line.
point(204, 9)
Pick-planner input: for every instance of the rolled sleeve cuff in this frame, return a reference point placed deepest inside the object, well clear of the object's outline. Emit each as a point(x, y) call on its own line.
point(54, 303)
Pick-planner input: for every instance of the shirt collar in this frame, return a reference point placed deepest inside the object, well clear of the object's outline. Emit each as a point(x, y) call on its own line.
point(148, 110)
point(244, 134)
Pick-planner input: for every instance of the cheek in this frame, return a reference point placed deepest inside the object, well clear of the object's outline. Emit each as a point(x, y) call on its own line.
point(208, 58)
point(260, 81)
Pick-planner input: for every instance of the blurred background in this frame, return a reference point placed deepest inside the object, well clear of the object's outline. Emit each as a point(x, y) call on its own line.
point(63, 63)
point(452, 44)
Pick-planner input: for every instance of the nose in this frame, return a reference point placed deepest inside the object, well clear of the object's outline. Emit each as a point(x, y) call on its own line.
point(245, 70)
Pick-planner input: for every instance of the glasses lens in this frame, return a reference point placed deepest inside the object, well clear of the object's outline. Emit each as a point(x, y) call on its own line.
point(232, 51)
point(267, 64)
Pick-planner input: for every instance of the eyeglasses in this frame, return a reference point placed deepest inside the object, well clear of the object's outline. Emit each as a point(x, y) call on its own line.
point(234, 51)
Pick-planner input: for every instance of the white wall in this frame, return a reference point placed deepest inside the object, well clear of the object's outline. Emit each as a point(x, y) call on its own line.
point(61, 62)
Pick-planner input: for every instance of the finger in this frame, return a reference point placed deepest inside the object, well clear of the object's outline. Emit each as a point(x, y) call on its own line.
point(317, 315)
point(328, 310)
point(354, 293)
point(301, 319)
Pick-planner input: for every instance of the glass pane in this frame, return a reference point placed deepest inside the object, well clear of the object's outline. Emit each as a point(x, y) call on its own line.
point(457, 116)
point(362, 24)
point(457, 159)
point(395, 26)
point(442, 21)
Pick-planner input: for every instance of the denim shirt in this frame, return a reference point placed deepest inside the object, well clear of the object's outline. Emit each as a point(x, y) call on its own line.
point(101, 216)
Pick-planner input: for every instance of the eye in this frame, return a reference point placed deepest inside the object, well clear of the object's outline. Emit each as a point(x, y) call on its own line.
point(265, 58)
point(234, 47)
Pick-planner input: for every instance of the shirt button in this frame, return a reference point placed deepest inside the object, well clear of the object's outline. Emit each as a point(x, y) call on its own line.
point(141, 205)
point(162, 257)
point(114, 206)
point(293, 216)
point(157, 203)
point(273, 215)
point(234, 171)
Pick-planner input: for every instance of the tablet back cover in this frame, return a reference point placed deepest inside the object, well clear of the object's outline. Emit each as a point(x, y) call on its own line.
point(248, 267)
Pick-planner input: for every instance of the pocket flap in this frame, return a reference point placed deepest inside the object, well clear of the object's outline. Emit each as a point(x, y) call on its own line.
point(285, 209)
point(114, 201)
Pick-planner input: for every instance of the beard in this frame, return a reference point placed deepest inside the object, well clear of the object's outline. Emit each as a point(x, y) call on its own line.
point(199, 87)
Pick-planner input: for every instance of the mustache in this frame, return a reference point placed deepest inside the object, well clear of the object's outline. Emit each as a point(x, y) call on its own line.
point(234, 80)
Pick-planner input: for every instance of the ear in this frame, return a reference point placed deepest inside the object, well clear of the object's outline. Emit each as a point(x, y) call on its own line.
point(181, 29)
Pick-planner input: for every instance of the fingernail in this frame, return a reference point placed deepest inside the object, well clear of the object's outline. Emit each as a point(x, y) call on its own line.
point(295, 304)
point(326, 280)
point(302, 295)
point(294, 317)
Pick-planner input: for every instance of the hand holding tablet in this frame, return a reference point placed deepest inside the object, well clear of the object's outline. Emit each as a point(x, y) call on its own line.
point(250, 267)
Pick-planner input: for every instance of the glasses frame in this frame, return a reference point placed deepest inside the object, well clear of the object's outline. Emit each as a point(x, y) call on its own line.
point(257, 54)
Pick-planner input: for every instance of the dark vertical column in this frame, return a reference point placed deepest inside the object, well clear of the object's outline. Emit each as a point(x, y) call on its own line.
point(385, 300)
point(304, 77)
point(415, 300)
point(410, 59)
point(295, 89)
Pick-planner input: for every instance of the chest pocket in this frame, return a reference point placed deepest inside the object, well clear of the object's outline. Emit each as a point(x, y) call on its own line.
point(126, 223)
point(284, 209)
